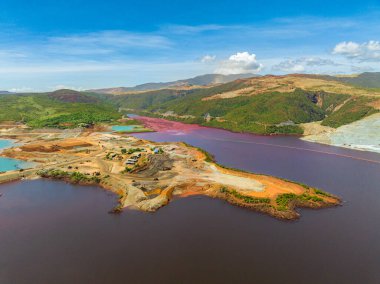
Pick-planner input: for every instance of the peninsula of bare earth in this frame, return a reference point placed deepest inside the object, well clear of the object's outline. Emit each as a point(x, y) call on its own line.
point(147, 175)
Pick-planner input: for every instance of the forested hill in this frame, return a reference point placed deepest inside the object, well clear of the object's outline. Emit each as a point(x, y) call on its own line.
point(62, 108)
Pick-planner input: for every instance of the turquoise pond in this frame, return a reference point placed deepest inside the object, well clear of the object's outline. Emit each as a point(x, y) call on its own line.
point(7, 164)
point(125, 128)
point(5, 143)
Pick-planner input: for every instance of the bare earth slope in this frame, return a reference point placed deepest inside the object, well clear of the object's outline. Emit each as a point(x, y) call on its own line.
point(290, 83)
point(361, 135)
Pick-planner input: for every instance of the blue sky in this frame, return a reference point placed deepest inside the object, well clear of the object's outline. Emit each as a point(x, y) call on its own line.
point(46, 45)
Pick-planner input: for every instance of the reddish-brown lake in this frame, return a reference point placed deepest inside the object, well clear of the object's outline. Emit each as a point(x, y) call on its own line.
point(52, 232)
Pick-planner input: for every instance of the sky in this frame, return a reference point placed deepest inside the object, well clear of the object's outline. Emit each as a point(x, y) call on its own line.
point(47, 45)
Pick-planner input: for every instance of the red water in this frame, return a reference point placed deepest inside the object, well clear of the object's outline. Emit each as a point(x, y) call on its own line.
point(167, 126)
point(52, 232)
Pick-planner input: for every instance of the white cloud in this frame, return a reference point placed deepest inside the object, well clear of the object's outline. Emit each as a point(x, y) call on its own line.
point(208, 58)
point(317, 61)
point(241, 62)
point(289, 66)
point(367, 51)
point(302, 64)
point(349, 49)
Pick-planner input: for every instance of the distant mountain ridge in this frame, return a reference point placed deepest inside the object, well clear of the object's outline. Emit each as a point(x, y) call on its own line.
point(364, 80)
point(5, 93)
point(368, 80)
point(203, 80)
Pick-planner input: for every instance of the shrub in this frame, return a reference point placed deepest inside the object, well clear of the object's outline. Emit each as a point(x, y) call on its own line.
point(133, 150)
point(245, 198)
point(283, 200)
point(321, 192)
point(74, 177)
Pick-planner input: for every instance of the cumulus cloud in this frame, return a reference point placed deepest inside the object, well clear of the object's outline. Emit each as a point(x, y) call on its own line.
point(241, 62)
point(289, 66)
point(317, 61)
point(367, 51)
point(208, 58)
point(301, 64)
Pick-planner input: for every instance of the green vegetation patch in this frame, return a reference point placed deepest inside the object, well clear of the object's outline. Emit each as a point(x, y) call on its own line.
point(42, 110)
point(323, 193)
point(133, 150)
point(353, 110)
point(283, 200)
point(74, 177)
point(84, 118)
point(209, 157)
point(245, 198)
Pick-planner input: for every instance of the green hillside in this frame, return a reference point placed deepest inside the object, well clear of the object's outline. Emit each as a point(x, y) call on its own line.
point(57, 109)
point(265, 113)
point(353, 110)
